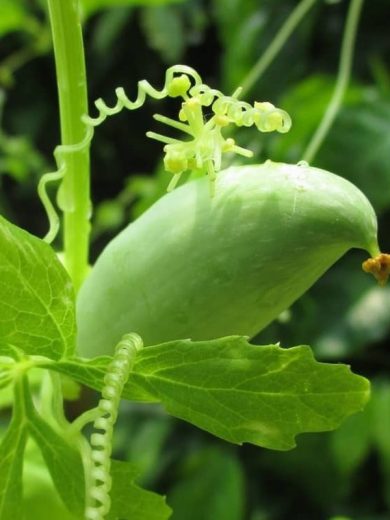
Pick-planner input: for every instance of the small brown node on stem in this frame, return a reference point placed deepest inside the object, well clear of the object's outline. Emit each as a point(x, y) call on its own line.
point(379, 267)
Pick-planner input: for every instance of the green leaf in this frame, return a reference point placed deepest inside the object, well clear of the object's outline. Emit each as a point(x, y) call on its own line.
point(265, 395)
point(37, 300)
point(63, 462)
point(11, 469)
point(211, 487)
point(129, 501)
point(91, 372)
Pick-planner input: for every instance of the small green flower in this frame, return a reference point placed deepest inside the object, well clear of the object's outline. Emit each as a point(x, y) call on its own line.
point(206, 144)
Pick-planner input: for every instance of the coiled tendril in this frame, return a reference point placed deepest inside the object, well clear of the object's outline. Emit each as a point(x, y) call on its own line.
point(203, 149)
point(98, 491)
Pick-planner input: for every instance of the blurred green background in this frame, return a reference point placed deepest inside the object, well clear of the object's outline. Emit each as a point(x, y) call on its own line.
point(345, 317)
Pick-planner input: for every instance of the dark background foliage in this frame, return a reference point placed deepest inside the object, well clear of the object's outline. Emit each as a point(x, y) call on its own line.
point(345, 317)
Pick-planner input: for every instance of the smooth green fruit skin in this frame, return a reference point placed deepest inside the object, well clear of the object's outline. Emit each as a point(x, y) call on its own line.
point(198, 267)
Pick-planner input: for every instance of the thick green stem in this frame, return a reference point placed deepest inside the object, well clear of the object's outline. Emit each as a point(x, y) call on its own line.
point(347, 51)
point(72, 93)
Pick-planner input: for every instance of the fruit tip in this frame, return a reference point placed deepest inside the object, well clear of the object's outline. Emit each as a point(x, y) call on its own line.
point(379, 267)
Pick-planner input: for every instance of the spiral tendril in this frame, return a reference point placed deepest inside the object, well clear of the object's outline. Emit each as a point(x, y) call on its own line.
point(202, 151)
point(99, 482)
point(60, 154)
point(144, 89)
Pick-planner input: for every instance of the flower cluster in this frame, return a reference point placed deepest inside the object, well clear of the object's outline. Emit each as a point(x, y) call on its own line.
point(206, 144)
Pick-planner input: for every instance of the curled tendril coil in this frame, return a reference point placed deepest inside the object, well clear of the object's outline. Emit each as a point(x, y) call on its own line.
point(62, 152)
point(98, 493)
point(206, 144)
point(144, 89)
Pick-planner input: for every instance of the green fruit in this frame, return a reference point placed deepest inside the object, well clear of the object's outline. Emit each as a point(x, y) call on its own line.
point(198, 267)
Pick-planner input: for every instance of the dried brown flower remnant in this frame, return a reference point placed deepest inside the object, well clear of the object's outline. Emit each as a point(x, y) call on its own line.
point(379, 266)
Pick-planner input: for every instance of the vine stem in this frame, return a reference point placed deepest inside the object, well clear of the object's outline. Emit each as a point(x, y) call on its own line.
point(344, 73)
point(74, 197)
point(276, 45)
